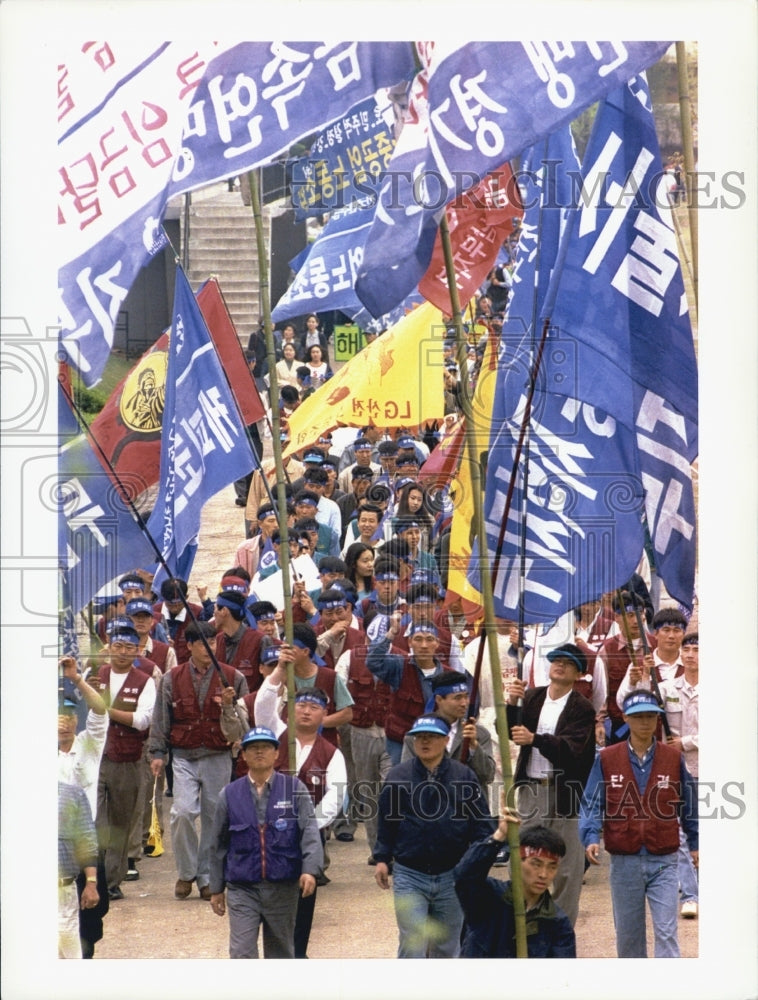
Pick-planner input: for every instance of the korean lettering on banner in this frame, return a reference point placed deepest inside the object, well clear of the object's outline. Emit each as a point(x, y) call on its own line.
point(345, 161)
point(368, 410)
point(116, 160)
point(242, 117)
point(348, 340)
point(208, 427)
point(470, 113)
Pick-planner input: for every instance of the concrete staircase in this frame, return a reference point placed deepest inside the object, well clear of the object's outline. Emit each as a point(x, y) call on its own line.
point(222, 243)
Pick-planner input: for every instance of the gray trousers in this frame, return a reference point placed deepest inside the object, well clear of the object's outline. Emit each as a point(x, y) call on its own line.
point(536, 805)
point(197, 784)
point(271, 904)
point(371, 764)
point(119, 789)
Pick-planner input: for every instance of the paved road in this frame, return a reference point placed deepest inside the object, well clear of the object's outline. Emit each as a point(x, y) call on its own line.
point(353, 919)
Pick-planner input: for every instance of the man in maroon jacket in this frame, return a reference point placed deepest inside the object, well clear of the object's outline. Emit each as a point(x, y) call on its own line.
point(187, 719)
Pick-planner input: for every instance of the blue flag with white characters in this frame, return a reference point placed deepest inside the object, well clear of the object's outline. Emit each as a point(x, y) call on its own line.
point(326, 277)
point(613, 427)
point(204, 446)
point(140, 123)
point(346, 159)
point(487, 101)
point(99, 538)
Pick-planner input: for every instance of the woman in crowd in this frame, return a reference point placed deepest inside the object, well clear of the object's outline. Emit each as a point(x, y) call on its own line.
point(319, 368)
point(286, 369)
point(359, 559)
point(413, 505)
point(313, 336)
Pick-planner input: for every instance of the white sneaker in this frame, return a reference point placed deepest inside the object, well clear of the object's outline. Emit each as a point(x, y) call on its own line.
point(689, 910)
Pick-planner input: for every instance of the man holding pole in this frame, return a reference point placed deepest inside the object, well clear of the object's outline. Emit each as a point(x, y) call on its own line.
point(187, 720)
point(487, 903)
point(555, 730)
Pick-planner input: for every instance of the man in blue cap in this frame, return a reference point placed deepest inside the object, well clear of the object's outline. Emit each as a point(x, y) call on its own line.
point(451, 693)
point(409, 676)
point(129, 694)
point(431, 808)
point(555, 730)
point(637, 794)
point(265, 851)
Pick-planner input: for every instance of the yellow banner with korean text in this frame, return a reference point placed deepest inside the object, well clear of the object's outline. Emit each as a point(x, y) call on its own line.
point(397, 381)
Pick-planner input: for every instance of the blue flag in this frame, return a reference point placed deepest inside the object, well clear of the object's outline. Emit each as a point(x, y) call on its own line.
point(326, 277)
point(614, 422)
point(99, 538)
point(345, 161)
point(204, 446)
point(487, 102)
point(138, 125)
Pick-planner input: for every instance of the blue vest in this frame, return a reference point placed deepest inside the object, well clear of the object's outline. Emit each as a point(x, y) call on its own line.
point(270, 851)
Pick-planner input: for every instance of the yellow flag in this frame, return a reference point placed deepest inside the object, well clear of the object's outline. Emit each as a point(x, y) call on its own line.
point(394, 382)
point(461, 528)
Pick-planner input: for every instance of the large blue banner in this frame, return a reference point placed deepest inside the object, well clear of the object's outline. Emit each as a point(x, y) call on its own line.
point(204, 446)
point(487, 101)
point(614, 423)
point(326, 277)
point(346, 160)
point(137, 128)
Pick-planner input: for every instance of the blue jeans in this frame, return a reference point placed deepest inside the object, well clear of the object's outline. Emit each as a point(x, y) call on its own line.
point(688, 883)
point(635, 878)
point(394, 750)
point(429, 916)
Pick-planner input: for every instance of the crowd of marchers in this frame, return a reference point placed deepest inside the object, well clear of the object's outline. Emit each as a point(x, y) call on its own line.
point(184, 717)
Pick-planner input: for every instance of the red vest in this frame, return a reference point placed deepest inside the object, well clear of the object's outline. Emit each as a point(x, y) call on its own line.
point(158, 654)
point(144, 664)
point(325, 679)
point(617, 657)
point(631, 820)
point(445, 637)
point(178, 642)
point(193, 726)
point(124, 743)
point(406, 703)
point(353, 637)
point(371, 696)
point(313, 772)
point(247, 657)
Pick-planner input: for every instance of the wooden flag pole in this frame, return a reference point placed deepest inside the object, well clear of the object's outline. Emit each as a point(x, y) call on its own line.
point(254, 176)
point(519, 908)
point(689, 157)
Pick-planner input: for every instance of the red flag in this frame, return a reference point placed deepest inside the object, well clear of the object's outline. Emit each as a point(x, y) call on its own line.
point(479, 221)
point(442, 464)
point(128, 428)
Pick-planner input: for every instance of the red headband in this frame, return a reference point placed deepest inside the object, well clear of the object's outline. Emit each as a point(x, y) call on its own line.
point(537, 852)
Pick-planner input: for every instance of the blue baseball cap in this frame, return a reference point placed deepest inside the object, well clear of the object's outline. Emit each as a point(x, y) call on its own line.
point(641, 701)
point(259, 734)
point(429, 724)
point(139, 606)
point(122, 630)
point(270, 654)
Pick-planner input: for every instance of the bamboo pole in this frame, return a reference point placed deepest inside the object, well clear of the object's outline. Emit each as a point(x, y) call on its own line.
point(519, 909)
point(254, 177)
point(689, 158)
